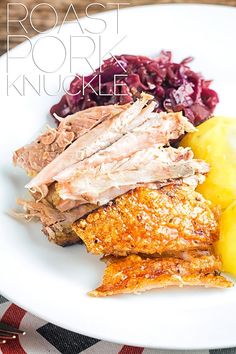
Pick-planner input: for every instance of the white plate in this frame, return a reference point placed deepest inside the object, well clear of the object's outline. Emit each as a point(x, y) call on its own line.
point(52, 282)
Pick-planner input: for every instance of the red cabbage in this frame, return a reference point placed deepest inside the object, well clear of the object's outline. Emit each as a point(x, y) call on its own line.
point(175, 87)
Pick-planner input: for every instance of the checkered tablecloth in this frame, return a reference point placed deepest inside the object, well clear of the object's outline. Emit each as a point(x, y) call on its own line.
point(43, 337)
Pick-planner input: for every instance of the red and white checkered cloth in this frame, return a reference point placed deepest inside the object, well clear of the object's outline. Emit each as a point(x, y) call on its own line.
point(43, 337)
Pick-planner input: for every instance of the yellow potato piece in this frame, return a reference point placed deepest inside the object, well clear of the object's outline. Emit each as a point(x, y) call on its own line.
point(226, 246)
point(215, 142)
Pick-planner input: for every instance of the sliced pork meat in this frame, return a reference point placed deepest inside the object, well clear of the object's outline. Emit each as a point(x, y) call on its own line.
point(35, 156)
point(159, 129)
point(98, 138)
point(146, 166)
point(110, 194)
point(56, 225)
point(67, 204)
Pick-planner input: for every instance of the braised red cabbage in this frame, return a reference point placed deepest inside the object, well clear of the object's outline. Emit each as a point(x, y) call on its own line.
point(175, 87)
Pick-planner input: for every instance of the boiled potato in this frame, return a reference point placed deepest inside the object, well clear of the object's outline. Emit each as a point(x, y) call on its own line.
point(215, 142)
point(226, 246)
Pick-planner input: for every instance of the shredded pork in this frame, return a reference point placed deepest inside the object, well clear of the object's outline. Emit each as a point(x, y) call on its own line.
point(158, 130)
point(50, 144)
point(57, 226)
point(145, 166)
point(100, 137)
